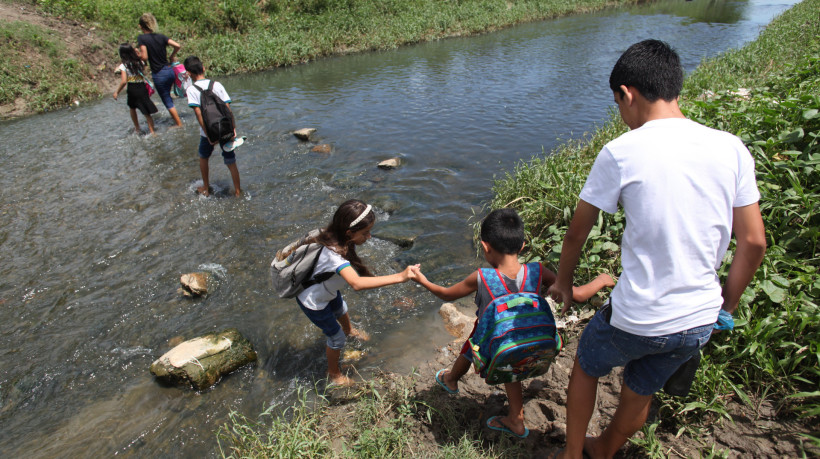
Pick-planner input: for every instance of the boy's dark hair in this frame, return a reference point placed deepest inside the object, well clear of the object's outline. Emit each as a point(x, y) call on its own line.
point(652, 67)
point(504, 231)
point(193, 66)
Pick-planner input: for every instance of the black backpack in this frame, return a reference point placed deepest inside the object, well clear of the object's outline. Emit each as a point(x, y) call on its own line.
point(218, 119)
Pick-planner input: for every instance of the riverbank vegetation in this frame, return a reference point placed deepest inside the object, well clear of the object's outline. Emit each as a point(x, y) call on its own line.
point(767, 93)
point(244, 36)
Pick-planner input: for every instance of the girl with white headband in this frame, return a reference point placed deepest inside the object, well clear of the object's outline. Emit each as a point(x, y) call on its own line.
point(322, 303)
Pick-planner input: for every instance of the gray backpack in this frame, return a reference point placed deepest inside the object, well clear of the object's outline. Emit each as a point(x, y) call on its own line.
point(292, 269)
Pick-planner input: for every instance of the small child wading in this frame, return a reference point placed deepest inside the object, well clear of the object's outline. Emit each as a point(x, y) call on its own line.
point(502, 238)
point(201, 98)
point(138, 98)
point(322, 302)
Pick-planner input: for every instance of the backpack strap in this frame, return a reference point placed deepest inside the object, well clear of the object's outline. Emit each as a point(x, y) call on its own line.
point(495, 284)
point(532, 278)
point(211, 85)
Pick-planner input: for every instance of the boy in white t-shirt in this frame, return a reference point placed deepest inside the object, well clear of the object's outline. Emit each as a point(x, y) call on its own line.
point(685, 189)
point(197, 72)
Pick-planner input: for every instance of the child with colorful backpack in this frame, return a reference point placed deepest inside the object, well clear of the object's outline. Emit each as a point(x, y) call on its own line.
point(514, 337)
point(334, 265)
point(212, 107)
point(137, 87)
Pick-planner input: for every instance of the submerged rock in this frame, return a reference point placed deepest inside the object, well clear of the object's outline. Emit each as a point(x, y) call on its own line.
point(321, 148)
point(456, 322)
point(391, 163)
point(195, 284)
point(304, 134)
point(202, 361)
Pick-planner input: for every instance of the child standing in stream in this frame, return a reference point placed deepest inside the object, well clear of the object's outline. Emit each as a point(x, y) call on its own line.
point(138, 98)
point(322, 302)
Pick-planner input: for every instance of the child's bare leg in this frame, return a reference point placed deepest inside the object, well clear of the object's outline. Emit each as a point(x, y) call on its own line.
point(235, 177)
point(514, 420)
point(203, 168)
point(347, 327)
point(460, 368)
point(135, 120)
point(586, 291)
point(333, 370)
point(150, 121)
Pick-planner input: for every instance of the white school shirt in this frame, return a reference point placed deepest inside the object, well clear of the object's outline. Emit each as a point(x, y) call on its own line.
point(316, 297)
point(678, 182)
point(194, 95)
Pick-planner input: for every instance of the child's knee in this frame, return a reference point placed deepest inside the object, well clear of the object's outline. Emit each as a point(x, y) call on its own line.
point(338, 340)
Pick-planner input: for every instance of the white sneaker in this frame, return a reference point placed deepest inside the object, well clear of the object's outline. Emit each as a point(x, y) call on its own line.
point(233, 144)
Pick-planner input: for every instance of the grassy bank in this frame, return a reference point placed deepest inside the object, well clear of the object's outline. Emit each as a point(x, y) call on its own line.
point(773, 356)
point(770, 361)
point(243, 36)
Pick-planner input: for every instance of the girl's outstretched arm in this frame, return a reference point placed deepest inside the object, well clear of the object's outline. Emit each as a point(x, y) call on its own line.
point(363, 283)
point(454, 292)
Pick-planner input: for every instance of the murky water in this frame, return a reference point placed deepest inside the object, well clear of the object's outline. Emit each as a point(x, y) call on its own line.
point(98, 224)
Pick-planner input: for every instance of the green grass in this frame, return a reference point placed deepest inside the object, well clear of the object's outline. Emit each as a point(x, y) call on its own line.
point(378, 419)
point(774, 353)
point(49, 81)
point(242, 35)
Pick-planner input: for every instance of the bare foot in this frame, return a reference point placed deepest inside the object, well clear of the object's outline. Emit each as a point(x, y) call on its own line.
point(606, 279)
point(238, 193)
point(340, 380)
point(505, 422)
point(359, 334)
point(203, 190)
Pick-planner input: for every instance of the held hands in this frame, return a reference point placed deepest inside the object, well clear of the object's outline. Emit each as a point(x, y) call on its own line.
point(410, 272)
point(562, 295)
point(417, 274)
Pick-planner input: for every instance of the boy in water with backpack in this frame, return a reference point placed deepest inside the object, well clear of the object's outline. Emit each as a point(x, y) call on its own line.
point(502, 238)
point(211, 104)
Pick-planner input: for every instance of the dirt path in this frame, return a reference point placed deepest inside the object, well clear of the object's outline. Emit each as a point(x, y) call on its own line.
point(81, 42)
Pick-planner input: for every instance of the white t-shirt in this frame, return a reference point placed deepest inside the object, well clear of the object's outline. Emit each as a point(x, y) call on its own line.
point(316, 297)
point(194, 95)
point(678, 182)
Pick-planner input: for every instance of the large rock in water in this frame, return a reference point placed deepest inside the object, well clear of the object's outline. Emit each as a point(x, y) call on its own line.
point(202, 361)
point(195, 284)
point(456, 322)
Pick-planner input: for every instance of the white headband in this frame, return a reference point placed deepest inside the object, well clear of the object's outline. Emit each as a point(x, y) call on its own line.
point(361, 216)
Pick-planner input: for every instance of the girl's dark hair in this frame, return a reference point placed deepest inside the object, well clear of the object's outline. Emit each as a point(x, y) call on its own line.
point(338, 232)
point(129, 57)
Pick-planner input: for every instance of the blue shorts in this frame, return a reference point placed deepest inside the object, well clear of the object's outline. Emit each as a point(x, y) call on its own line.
point(205, 150)
point(164, 81)
point(325, 318)
point(648, 361)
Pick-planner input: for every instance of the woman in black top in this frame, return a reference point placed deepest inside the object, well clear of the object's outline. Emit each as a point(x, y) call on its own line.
point(152, 47)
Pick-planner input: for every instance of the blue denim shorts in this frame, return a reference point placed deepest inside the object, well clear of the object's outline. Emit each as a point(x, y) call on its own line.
point(326, 318)
point(648, 361)
point(206, 149)
point(164, 80)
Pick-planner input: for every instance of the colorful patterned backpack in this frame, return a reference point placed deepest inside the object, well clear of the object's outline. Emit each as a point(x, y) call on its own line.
point(515, 337)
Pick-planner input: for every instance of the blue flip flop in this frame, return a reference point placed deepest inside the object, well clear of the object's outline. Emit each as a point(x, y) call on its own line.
point(442, 384)
point(506, 430)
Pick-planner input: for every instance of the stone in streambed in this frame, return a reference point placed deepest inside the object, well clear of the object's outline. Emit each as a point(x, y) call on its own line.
point(391, 163)
point(304, 134)
point(195, 284)
point(456, 322)
point(202, 361)
point(321, 148)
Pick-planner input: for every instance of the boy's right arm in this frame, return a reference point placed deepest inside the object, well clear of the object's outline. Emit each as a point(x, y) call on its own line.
point(454, 292)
